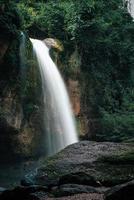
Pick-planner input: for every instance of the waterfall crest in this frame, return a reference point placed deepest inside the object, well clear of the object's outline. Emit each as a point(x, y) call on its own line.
point(58, 118)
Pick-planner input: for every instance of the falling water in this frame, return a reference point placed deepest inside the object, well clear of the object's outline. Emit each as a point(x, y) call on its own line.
point(58, 118)
point(22, 54)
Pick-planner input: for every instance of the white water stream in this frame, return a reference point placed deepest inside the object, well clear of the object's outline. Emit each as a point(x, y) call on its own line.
point(59, 123)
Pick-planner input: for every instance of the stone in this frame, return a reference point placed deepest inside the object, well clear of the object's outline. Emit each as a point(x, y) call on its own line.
point(121, 192)
point(2, 189)
point(79, 178)
point(38, 196)
point(86, 163)
point(71, 189)
point(21, 193)
point(53, 43)
point(21, 115)
point(84, 196)
point(3, 48)
point(74, 93)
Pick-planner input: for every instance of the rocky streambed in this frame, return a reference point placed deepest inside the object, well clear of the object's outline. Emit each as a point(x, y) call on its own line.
point(85, 170)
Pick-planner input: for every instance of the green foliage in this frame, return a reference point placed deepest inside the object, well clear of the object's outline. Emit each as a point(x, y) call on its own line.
point(28, 14)
point(10, 21)
point(117, 127)
point(51, 16)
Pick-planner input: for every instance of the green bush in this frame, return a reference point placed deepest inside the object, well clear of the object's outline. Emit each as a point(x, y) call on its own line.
point(117, 127)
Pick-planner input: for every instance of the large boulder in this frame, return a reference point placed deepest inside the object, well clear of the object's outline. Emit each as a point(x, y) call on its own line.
point(22, 193)
point(40, 193)
point(121, 192)
point(87, 163)
point(53, 43)
point(71, 189)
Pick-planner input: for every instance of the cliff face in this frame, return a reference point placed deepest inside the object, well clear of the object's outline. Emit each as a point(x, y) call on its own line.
point(87, 122)
point(3, 48)
point(21, 124)
point(69, 63)
point(74, 90)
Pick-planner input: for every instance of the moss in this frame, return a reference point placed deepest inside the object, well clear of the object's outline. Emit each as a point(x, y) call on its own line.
point(106, 173)
point(113, 174)
point(120, 158)
point(80, 177)
point(49, 165)
point(115, 169)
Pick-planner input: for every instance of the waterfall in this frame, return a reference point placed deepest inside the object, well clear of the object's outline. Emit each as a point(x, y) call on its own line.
point(130, 6)
point(58, 118)
point(22, 51)
point(22, 54)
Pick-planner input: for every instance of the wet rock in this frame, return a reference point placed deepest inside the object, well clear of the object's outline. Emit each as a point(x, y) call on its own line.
point(84, 196)
point(79, 178)
point(74, 94)
point(2, 189)
point(121, 192)
point(3, 48)
point(21, 193)
point(21, 121)
point(26, 182)
point(86, 163)
point(53, 43)
point(38, 196)
point(71, 189)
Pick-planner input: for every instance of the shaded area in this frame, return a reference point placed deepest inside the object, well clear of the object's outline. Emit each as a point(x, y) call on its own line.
point(11, 173)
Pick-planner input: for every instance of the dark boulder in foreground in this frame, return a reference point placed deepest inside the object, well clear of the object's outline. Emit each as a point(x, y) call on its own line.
point(121, 192)
point(23, 193)
point(71, 189)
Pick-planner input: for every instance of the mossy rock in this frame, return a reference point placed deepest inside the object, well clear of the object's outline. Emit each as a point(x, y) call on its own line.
point(85, 163)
